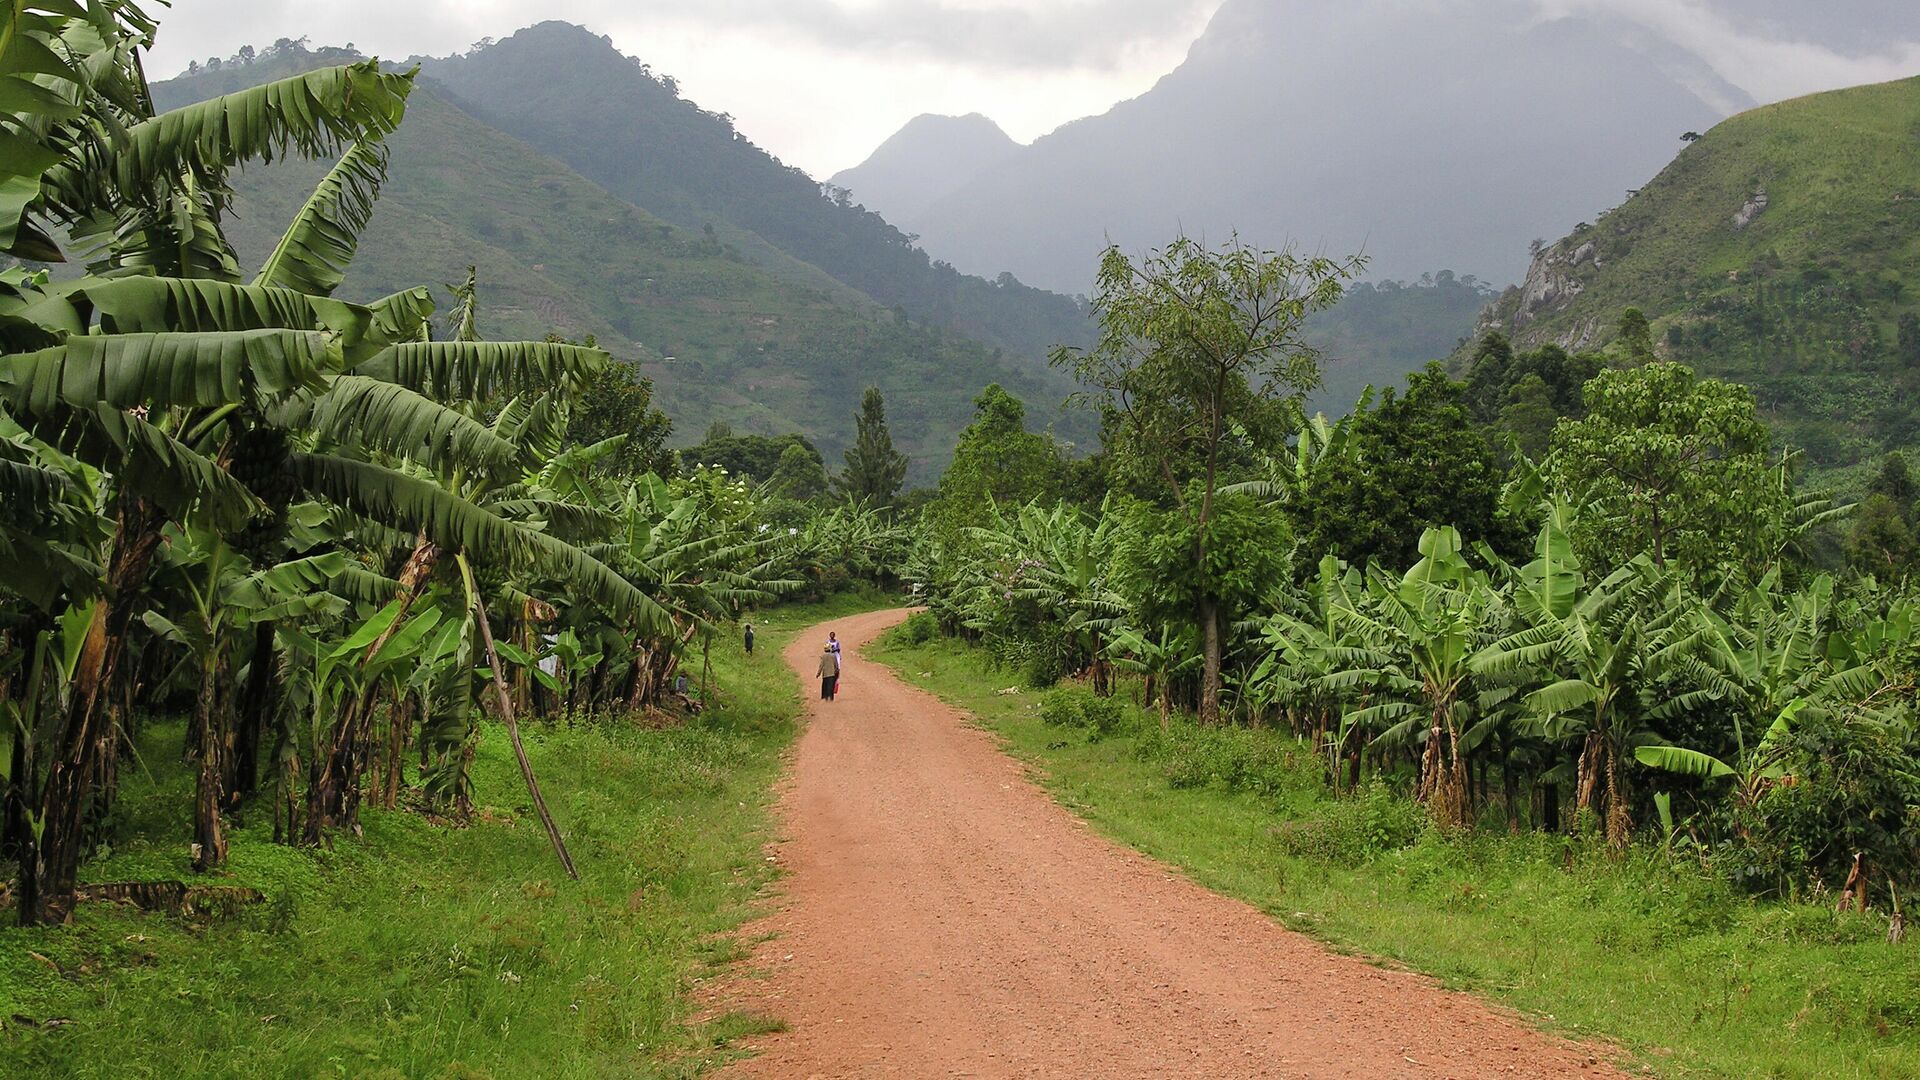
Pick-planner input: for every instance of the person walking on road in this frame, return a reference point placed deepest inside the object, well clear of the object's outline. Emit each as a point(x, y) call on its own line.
point(829, 673)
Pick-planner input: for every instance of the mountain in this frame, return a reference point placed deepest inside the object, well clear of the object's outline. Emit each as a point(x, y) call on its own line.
point(1430, 135)
point(571, 95)
point(1384, 329)
point(1782, 250)
point(925, 161)
point(723, 336)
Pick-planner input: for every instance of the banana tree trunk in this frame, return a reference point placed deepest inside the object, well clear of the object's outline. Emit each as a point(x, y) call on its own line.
point(333, 791)
point(503, 703)
point(209, 841)
point(1619, 815)
point(88, 740)
point(256, 704)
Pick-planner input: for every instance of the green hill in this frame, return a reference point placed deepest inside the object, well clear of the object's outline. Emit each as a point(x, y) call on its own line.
point(571, 94)
point(764, 351)
point(1781, 250)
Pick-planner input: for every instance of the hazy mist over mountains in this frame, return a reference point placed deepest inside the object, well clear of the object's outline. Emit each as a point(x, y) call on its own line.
point(1430, 135)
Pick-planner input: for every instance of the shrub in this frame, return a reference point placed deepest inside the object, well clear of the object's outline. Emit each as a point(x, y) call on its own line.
point(1852, 787)
point(1043, 669)
point(1101, 715)
point(1064, 706)
point(1371, 822)
point(1240, 759)
point(919, 629)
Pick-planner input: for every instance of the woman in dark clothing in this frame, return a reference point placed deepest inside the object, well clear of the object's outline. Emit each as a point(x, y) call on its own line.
point(829, 674)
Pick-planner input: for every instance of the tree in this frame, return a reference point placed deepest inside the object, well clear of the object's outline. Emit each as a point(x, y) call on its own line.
point(1489, 376)
point(1415, 462)
point(997, 462)
point(1635, 338)
point(1529, 416)
point(1199, 355)
point(875, 470)
point(800, 476)
point(1600, 649)
point(617, 402)
point(1672, 465)
point(1421, 632)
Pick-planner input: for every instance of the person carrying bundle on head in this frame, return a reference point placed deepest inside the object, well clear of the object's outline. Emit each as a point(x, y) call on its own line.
point(829, 672)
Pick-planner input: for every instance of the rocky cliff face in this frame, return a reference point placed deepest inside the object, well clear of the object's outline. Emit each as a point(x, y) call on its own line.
point(1555, 279)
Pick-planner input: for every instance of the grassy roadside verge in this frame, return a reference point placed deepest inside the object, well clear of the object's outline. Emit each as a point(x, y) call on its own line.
point(422, 950)
point(1688, 978)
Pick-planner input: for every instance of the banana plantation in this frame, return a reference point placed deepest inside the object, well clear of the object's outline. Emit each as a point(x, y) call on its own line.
point(1649, 631)
point(331, 534)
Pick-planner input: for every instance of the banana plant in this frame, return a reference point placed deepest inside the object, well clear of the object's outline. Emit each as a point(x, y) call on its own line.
point(1422, 631)
point(1596, 653)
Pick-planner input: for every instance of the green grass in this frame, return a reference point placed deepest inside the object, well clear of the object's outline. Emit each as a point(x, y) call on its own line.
point(1687, 978)
point(423, 950)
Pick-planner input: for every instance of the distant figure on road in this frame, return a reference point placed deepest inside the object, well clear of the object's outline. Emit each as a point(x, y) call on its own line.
point(749, 639)
point(829, 673)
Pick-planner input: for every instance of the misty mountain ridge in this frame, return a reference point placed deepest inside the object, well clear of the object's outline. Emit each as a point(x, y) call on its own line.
point(1427, 136)
point(925, 161)
point(570, 94)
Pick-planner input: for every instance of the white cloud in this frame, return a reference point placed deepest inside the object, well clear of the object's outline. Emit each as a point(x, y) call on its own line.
point(822, 82)
point(818, 82)
point(1770, 61)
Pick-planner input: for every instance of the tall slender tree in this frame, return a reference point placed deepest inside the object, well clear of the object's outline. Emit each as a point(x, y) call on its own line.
point(1200, 358)
point(875, 470)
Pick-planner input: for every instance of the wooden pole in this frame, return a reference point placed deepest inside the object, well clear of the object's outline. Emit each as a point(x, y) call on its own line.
point(503, 703)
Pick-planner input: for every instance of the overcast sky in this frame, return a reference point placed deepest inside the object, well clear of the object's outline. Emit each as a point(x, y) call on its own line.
point(822, 82)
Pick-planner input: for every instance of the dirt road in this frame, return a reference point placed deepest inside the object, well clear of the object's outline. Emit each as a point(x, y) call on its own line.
point(943, 917)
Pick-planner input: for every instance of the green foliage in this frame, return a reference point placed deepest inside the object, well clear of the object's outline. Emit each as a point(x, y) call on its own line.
point(1076, 707)
point(920, 628)
point(1245, 556)
point(1850, 786)
point(1672, 465)
point(1369, 823)
point(998, 462)
point(754, 458)
point(875, 470)
point(1416, 461)
point(617, 402)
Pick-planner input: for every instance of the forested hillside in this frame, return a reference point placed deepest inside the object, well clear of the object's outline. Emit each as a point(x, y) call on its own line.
point(725, 338)
point(1781, 250)
point(571, 94)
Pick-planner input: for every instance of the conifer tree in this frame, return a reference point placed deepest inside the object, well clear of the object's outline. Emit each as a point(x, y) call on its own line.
point(875, 470)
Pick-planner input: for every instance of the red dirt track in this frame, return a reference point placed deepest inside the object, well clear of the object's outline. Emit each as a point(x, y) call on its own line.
point(941, 916)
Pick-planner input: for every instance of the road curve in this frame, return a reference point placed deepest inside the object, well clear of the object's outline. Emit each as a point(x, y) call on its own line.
point(942, 916)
